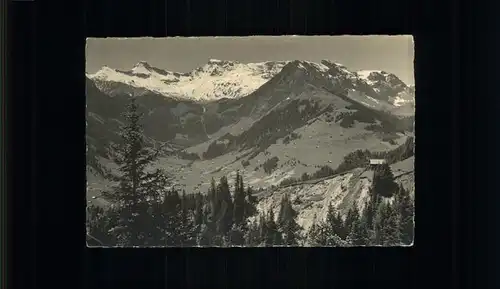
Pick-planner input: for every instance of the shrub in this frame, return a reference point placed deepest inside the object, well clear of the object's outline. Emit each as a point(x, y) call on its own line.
point(288, 181)
point(270, 165)
point(214, 150)
point(323, 172)
point(355, 159)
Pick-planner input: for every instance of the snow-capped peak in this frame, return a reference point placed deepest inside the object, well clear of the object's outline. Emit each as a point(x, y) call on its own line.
point(380, 77)
point(327, 62)
point(367, 75)
point(215, 61)
point(104, 73)
point(388, 84)
point(214, 80)
point(143, 63)
point(142, 67)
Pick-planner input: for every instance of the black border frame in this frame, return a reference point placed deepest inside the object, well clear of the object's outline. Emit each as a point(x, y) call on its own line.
point(21, 181)
point(4, 242)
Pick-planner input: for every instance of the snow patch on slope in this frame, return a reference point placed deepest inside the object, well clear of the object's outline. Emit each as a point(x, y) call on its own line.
point(405, 97)
point(365, 75)
point(369, 101)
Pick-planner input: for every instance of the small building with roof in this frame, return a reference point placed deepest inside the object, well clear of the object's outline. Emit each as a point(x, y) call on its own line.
point(377, 162)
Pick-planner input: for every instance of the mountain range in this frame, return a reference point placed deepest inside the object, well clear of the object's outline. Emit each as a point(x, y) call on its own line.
point(271, 120)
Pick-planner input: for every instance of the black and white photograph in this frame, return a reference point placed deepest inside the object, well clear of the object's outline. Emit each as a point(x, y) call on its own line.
point(259, 141)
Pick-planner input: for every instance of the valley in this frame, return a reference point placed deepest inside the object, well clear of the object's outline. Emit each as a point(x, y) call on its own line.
point(271, 123)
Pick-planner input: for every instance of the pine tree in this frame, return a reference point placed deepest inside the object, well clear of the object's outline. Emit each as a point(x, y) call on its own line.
point(383, 181)
point(287, 222)
point(137, 188)
point(369, 211)
point(239, 201)
point(213, 199)
point(219, 240)
point(240, 227)
point(352, 217)
point(334, 227)
point(225, 222)
point(317, 235)
point(172, 213)
point(99, 224)
point(184, 208)
point(379, 223)
point(214, 212)
point(312, 233)
point(352, 225)
point(273, 235)
point(155, 235)
point(252, 235)
point(263, 231)
point(387, 226)
point(358, 235)
point(237, 235)
point(205, 235)
point(392, 231)
point(406, 211)
point(207, 230)
point(198, 210)
point(250, 203)
point(368, 216)
point(188, 228)
point(286, 210)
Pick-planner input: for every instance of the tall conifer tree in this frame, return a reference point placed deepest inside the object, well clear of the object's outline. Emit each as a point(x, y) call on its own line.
point(287, 222)
point(137, 189)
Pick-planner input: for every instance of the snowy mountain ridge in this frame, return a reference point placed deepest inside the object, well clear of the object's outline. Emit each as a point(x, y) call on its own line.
point(219, 79)
point(215, 80)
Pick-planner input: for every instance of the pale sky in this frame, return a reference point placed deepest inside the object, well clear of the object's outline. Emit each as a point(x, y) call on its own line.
point(182, 54)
